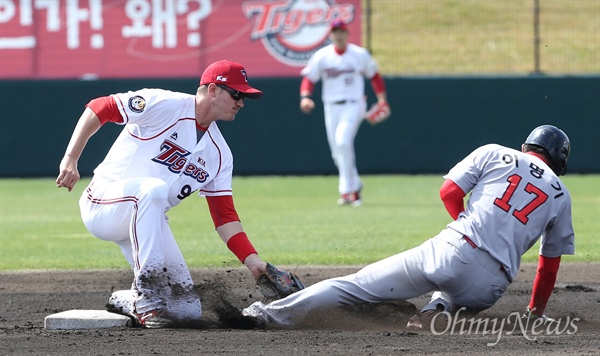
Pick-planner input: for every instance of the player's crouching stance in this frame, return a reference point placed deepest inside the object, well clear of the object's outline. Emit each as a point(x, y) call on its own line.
point(516, 198)
point(170, 148)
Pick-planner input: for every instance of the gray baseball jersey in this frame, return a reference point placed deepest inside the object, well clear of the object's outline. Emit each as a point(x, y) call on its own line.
point(515, 198)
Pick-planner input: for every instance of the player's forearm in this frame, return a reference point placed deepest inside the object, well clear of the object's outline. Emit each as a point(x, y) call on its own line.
point(381, 98)
point(87, 126)
point(544, 283)
point(379, 88)
point(453, 198)
point(306, 87)
point(237, 241)
point(68, 174)
point(226, 231)
point(306, 90)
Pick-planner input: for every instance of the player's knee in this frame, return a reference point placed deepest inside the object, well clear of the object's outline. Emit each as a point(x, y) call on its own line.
point(153, 189)
point(342, 146)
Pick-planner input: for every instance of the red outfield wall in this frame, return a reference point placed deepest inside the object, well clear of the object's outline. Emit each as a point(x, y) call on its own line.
point(62, 39)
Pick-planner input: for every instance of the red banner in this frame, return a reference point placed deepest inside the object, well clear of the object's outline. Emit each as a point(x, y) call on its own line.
point(49, 39)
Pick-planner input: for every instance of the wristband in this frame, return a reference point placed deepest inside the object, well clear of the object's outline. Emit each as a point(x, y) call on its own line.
point(240, 246)
point(304, 96)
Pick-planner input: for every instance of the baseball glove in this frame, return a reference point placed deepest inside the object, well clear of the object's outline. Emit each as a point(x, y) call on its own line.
point(378, 113)
point(276, 284)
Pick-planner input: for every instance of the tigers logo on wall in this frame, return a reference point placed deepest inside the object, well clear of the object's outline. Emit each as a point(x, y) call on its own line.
point(293, 30)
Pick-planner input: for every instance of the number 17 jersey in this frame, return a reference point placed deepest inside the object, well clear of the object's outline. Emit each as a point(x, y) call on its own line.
point(515, 199)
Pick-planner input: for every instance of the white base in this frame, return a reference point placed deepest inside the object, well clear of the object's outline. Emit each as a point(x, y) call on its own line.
point(85, 319)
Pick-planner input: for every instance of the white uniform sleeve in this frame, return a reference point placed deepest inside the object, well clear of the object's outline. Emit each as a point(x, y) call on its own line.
point(150, 107)
point(312, 70)
point(370, 67)
point(221, 185)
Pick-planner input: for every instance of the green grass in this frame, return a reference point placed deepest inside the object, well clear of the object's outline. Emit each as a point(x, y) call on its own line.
point(435, 37)
point(290, 220)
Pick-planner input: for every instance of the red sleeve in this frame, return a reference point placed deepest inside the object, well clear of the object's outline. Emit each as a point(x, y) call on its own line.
point(106, 109)
point(452, 196)
point(306, 87)
point(222, 209)
point(378, 84)
point(543, 283)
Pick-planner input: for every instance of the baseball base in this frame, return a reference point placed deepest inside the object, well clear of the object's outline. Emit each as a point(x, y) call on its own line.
point(85, 319)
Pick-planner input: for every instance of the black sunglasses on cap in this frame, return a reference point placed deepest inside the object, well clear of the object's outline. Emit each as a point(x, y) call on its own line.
point(235, 95)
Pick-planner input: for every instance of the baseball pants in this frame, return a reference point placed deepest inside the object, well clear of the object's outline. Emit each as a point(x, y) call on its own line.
point(445, 264)
point(341, 123)
point(132, 213)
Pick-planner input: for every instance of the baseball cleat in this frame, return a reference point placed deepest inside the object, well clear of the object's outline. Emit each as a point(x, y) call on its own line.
point(257, 315)
point(153, 319)
point(357, 202)
point(121, 302)
point(424, 319)
point(352, 199)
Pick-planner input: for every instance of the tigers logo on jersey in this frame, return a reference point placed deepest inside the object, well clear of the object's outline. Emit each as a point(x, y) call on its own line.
point(175, 158)
point(137, 104)
point(172, 156)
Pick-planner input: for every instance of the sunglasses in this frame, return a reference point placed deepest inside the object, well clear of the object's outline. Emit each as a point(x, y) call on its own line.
point(235, 95)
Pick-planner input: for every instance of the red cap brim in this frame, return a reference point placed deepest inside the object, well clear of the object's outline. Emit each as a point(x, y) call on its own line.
point(338, 25)
point(249, 91)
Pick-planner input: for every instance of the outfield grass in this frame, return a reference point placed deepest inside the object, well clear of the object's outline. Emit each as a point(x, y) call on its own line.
point(291, 220)
point(440, 37)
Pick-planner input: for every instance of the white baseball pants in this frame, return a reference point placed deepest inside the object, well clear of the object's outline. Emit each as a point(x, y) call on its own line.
point(341, 123)
point(446, 263)
point(132, 213)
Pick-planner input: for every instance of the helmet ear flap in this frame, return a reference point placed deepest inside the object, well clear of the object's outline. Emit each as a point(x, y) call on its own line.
point(564, 170)
point(555, 143)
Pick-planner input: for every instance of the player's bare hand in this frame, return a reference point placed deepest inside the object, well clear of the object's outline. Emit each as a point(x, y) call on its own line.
point(69, 175)
point(256, 265)
point(307, 105)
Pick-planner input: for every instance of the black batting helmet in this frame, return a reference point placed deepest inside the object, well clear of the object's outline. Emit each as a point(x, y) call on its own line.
point(556, 144)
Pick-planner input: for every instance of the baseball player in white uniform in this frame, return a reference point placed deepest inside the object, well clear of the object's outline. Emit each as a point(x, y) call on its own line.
point(342, 67)
point(516, 197)
point(169, 149)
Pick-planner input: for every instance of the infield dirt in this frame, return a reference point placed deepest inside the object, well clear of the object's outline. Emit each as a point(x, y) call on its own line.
point(28, 297)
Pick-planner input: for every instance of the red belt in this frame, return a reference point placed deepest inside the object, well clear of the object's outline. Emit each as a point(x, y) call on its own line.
point(470, 242)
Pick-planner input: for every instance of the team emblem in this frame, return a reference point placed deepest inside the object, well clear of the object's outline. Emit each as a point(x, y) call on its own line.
point(293, 30)
point(137, 104)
